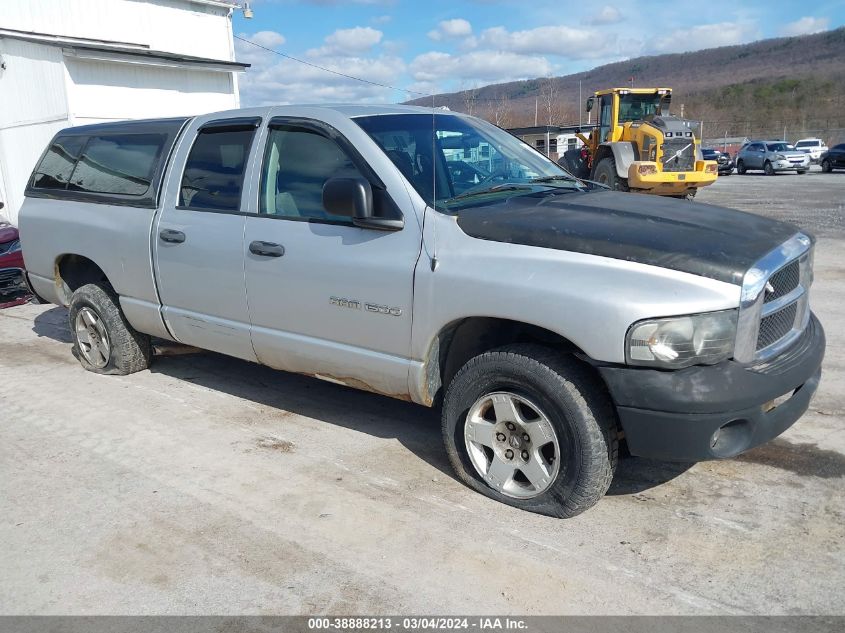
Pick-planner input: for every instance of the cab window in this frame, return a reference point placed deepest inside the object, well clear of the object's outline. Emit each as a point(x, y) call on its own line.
point(214, 173)
point(297, 163)
point(605, 116)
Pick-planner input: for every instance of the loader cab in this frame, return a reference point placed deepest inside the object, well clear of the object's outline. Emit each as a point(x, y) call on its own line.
point(620, 105)
point(605, 115)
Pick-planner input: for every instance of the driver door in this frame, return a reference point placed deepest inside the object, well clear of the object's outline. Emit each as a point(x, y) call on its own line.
point(326, 298)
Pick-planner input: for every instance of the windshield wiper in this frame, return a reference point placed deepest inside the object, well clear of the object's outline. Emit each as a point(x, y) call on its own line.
point(497, 188)
point(554, 178)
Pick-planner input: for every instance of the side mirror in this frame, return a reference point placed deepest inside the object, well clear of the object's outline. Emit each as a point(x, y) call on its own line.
point(589, 105)
point(353, 198)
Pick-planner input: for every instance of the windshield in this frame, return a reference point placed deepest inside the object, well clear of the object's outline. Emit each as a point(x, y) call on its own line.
point(453, 161)
point(807, 144)
point(633, 107)
point(779, 147)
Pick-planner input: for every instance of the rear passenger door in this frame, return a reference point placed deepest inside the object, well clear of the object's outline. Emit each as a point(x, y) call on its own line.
point(754, 156)
point(198, 238)
point(326, 297)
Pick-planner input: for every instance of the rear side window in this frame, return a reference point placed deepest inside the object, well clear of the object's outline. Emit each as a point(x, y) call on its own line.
point(214, 173)
point(55, 169)
point(107, 163)
point(118, 164)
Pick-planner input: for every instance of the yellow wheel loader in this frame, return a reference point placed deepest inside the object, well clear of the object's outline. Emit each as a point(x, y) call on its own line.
point(636, 145)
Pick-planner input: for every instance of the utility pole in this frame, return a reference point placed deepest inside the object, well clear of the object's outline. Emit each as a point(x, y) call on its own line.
point(580, 104)
point(536, 110)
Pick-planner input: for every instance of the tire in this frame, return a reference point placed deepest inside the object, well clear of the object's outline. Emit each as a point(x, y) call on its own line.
point(95, 317)
point(572, 407)
point(767, 167)
point(740, 168)
point(826, 166)
point(605, 173)
point(801, 172)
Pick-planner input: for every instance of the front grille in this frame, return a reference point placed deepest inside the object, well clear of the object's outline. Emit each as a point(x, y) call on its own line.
point(775, 308)
point(784, 281)
point(11, 279)
point(683, 162)
point(775, 326)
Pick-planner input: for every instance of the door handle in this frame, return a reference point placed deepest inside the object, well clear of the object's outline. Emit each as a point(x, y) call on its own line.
point(266, 249)
point(174, 237)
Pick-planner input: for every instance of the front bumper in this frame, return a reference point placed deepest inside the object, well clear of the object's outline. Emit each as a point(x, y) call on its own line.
point(786, 165)
point(670, 182)
point(711, 412)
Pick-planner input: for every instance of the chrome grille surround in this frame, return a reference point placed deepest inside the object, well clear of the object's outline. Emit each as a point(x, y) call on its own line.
point(774, 303)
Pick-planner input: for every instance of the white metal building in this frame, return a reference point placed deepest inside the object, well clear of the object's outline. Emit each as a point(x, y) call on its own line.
point(552, 140)
point(73, 62)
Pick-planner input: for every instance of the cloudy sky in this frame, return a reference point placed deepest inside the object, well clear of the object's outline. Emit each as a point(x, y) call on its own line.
point(429, 46)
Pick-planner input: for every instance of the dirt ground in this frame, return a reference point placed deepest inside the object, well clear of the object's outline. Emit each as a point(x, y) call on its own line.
point(210, 485)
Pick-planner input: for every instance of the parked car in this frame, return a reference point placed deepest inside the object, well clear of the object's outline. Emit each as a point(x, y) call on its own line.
point(815, 147)
point(545, 316)
point(13, 289)
point(724, 160)
point(834, 158)
point(771, 157)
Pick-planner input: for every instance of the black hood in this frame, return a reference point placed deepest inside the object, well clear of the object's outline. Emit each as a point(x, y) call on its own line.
point(696, 238)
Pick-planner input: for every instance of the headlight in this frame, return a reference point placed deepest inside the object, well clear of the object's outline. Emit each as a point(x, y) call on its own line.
point(676, 342)
point(780, 157)
point(15, 247)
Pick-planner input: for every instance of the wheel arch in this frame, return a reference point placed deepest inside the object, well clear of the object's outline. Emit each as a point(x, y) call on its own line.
point(623, 153)
point(72, 271)
point(462, 339)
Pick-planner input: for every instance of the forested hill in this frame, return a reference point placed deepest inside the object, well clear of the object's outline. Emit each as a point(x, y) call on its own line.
point(792, 82)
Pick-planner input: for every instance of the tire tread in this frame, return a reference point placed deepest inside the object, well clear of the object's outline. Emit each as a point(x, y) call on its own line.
point(131, 351)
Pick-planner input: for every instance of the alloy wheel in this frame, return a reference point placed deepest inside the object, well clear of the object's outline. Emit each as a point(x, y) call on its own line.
point(92, 338)
point(512, 445)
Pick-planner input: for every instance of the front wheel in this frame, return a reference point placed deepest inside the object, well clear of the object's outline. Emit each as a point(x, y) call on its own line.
point(531, 428)
point(606, 174)
point(826, 166)
point(767, 167)
point(801, 172)
point(103, 340)
point(740, 168)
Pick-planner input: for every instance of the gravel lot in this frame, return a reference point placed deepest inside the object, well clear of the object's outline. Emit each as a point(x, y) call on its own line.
point(210, 485)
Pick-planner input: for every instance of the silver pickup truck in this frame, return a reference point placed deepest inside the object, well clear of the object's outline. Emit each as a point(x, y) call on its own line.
point(432, 257)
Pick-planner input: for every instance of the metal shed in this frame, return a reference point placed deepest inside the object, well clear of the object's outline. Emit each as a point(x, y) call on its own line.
point(73, 62)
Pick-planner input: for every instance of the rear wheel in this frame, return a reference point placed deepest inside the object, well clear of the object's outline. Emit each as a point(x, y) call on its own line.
point(767, 167)
point(103, 340)
point(827, 167)
point(531, 428)
point(606, 174)
point(802, 171)
point(740, 167)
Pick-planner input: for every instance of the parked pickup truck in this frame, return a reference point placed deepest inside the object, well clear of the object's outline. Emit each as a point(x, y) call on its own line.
point(549, 318)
